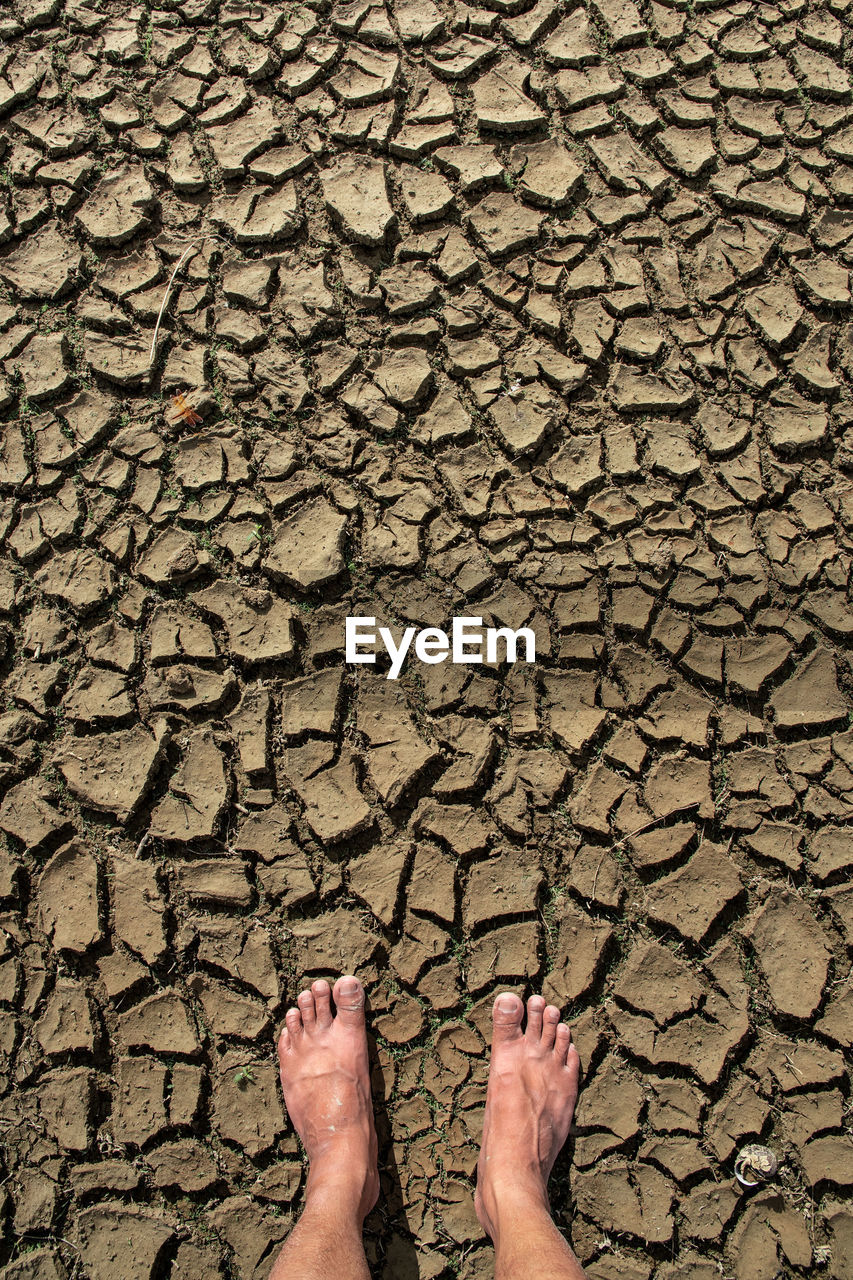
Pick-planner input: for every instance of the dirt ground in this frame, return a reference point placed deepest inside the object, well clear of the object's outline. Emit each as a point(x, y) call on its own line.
point(519, 310)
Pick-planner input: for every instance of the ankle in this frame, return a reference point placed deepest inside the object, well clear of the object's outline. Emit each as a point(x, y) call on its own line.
point(341, 1186)
point(502, 1199)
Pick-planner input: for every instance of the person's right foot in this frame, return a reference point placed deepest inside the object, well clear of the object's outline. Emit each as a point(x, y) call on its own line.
point(533, 1087)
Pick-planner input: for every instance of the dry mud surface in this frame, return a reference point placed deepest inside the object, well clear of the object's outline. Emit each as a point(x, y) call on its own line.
point(521, 310)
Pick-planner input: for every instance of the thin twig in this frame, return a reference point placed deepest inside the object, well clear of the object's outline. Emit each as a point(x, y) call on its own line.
point(191, 248)
point(595, 877)
point(655, 822)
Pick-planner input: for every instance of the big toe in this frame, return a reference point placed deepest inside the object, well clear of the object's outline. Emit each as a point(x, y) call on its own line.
point(349, 1001)
point(507, 1013)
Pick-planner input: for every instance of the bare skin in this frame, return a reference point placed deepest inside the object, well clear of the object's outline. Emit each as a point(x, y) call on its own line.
point(326, 1081)
point(533, 1084)
point(533, 1087)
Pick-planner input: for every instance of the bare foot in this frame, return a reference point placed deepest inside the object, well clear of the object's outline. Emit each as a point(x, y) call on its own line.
point(533, 1087)
point(326, 1081)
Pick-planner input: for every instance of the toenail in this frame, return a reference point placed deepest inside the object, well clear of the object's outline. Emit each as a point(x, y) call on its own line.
point(505, 1004)
point(348, 987)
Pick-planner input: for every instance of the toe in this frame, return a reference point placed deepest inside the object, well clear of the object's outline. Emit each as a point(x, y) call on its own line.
point(322, 1002)
point(573, 1061)
point(563, 1042)
point(550, 1020)
point(349, 1001)
point(535, 1008)
point(506, 1018)
point(305, 1000)
point(293, 1027)
point(285, 1044)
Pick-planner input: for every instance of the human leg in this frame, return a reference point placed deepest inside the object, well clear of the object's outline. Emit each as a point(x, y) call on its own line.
point(533, 1086)
point(325, 1076)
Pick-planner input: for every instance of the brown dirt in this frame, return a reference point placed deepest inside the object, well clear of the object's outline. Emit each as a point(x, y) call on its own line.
point(516, 309)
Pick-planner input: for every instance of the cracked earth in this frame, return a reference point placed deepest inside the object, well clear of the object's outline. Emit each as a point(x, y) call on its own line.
point(522, 310)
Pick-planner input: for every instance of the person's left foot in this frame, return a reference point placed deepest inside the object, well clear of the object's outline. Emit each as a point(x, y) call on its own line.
point(325, 1076)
